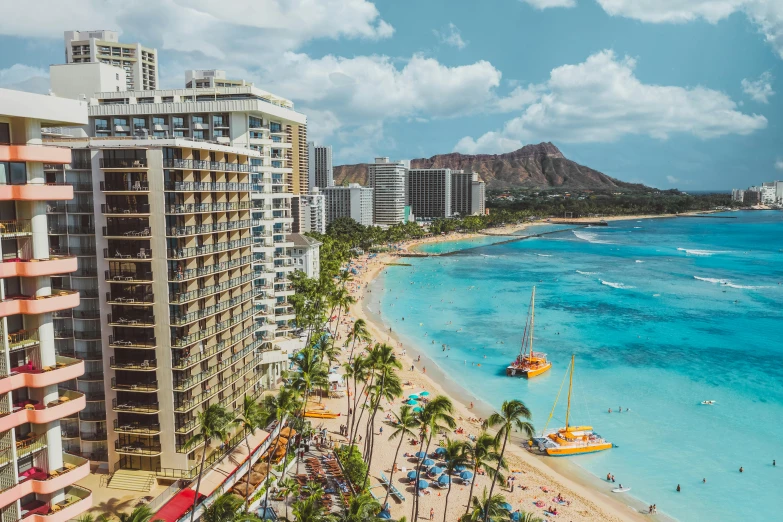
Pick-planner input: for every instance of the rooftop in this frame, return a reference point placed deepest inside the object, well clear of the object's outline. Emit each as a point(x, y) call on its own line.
point(301, 240)
point(52, 111)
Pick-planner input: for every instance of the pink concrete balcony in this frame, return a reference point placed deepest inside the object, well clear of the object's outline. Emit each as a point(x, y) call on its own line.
point(31, 305)
point(29, 376)
point(70, 402)
point(36, 192)
point(55, 265)
point(36, 480)
point(77, 501)
point(42, 153)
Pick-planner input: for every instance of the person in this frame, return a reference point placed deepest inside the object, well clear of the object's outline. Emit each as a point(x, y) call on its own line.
point(610, 410)
point(380, 431)
point(740, 469)
point(432, 514)
point(471, 407)
point(621, 486)
point(678, 488)
point(608, 477)
point(773, 463)
point(704, 481)
point(612, 478)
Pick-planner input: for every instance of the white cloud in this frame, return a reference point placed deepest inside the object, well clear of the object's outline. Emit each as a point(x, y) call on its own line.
point(779, 164)
point(672, 179)
point(22, 77)
point(450, 36)
point(767, 15)
point(759, 90)
point(544, 4)
point(601, 100)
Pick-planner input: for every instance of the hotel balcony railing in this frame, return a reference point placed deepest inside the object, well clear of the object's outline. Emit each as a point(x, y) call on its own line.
point(141, 386)
point(76, 500)
point(80, 208)
point(119, 186)
point(130, 209)
point(139, 428)
point(22, 339)
point(129, 299)
point(91, 376)
point(185, 427)
point(209, 290)
point(212, 330)
point(123, 163)
point(88, 230)
point(209, 229)
point(89, 355)
point(198, 186)
point(95, 396)
point(126, 232)
point(180, 362)
point(135, 406)
point(86, 314)
point(190, 164)
point(31, 445)
point(55, 207)
point(92, 415)
point(85, 271)
point(133, 341)
point(81, 186)
point(189, 382)
point(82, 251)
point(181, 320)
point(130, 319)
point(145, 365)
point(138, 448)
point(124, 275)
point(93, 436)
point(190, 208)
point(181, 253)
point(15, 228)
point(87, 334)
point(190, 273)
point(122, 253)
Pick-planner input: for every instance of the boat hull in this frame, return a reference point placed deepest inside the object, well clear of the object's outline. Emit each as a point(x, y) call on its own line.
point(581, 450)
point(321, 415)
point(528, 373)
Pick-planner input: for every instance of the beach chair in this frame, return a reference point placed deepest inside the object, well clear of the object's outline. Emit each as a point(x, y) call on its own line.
point(396, 493)
point(384, 480)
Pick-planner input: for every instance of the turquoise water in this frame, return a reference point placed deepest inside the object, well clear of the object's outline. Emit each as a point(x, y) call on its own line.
point(661, 314)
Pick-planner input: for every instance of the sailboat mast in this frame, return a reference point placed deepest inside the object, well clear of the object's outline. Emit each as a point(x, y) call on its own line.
point(570, 386)
point(532, 319)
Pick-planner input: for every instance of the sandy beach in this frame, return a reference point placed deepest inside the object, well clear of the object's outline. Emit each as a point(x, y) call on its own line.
point(537, 480)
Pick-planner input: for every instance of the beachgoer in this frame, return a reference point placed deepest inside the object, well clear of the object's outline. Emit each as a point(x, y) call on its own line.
point(432, 514)
point(471, 406)
point(773, 462)
point(740, 469)
point(678, 488)
point(612, 478)
point(704, 481)
point(610, 410)
point(608, 477)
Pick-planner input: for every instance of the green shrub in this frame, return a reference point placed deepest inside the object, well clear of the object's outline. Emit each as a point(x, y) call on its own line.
point(355, 468)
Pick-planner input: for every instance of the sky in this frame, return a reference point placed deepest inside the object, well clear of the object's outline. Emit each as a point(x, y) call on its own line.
point(670, 93)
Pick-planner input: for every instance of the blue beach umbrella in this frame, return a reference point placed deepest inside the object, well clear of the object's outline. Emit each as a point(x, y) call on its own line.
point(466, 475)
point(515, 516)
point(417, 409)
point(420, 454)
point(411, 403)
point(435, 470)
point(424, 394)
point(423, 484)
point(428, 462)
point(444, 479)
point(460, 468)
point(412, 475)
point(413, 396)
point(440, 451)
point(506, 506)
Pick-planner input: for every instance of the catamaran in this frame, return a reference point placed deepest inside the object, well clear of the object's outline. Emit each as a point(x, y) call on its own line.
point(529, 363)
point(570, 440)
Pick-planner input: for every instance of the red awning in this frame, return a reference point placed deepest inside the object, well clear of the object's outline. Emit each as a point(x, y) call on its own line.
point(177, 506)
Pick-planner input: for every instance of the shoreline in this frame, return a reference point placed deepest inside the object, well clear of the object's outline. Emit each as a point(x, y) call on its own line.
point(573, 481)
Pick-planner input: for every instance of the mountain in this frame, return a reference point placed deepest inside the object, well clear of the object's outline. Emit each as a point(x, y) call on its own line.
point(534, 166)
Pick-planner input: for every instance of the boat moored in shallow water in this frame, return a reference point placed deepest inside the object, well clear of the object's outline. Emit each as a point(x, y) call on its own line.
point(529, 363)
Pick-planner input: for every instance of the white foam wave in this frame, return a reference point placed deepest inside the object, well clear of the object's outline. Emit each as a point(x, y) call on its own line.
point(544, 255)
point(590, 237)
point(696, 252)
point(637, 227)
point(729, 283)
point(586, 273)
point(639, 261)
point(620, 286)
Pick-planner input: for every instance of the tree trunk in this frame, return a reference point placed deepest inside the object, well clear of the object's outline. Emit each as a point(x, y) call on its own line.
point(247, 493)
point(269, 468)
point(198, 482)
point(472, 483)
point(358, 420)
point(446, 507)
point(394, 465)
point(497, 472)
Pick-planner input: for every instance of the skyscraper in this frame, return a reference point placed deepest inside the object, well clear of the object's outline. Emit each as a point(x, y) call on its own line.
point(139, 63)
point(321, 172)
point(389, 183)
point(36, 473)
point(429, 193)
point(353, 201)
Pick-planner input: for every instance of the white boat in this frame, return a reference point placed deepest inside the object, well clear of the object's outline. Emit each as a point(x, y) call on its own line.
point(621, 490)
point(708, 403)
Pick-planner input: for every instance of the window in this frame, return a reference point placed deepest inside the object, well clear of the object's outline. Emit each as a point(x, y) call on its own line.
point(158, 120)
point(5, 133)
point(219, 120)
point(13, 173)
point(178, 121)
point(219, 133)
point(198, 119)
point(256, 123)
point(139, 123)
point(159, 134)
point(121, 122)
point(179, 134)
point(101, 124)
point(120, 133)
point(198, 134)
point(275, 127)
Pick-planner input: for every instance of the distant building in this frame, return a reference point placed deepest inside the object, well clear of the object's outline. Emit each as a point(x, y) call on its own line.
point(353, 201)
point(207, 78)
point(79, 81)
point(478, 197)
point(467, 193)
point(309, 212)
point(139, 63)
point(429, 193)
point(305, 253)
point(767, 193)
point(321, 172)
point(779, 192)
point(389, 183)
point(738, 195)
point(751, 196)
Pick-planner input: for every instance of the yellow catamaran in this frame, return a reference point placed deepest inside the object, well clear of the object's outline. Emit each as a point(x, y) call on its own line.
point(570, 440)
point(529, 363)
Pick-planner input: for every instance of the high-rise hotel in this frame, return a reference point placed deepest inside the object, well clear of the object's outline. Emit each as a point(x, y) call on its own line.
point(37, 473)
point(180, 222)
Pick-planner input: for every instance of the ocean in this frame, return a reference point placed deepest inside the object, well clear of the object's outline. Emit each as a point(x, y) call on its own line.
point(661, 314)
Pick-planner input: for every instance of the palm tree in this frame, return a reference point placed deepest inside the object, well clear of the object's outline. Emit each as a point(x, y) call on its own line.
point(213, 424)
point(513, 415)
point(310, 509)
point(87, 517)
point(359, 370)
point(361, 508)
point(288, 487)
point(527, 516)
point(226, 508)
point(279, 407)
point(385, 364)
point(486, 508)
point(250, 418)
point(344, 300)
point(358, 332)
point(402, 426)
point(454, 455)
point(434, 416)
point(139, 514)
point(483, 451)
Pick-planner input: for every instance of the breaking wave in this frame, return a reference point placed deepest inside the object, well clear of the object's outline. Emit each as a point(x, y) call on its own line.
point(621, 286)
point(727, 282)
point(695, 252)
point(586, 273)
point(590, 237)
point(544, 255)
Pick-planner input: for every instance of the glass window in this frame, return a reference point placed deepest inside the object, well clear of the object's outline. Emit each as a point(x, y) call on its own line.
point(101, 124)
point(159, 134)
point(5, 133)
point(219, 133)
point(120, 133)
point(179, 134)
point(198, 134)
point(256, 122)
point(218, 120)
point(158, 120)
point(198, 119)
point(139, 123)
point(179, 121)
point(13, 173)
point(121, 121)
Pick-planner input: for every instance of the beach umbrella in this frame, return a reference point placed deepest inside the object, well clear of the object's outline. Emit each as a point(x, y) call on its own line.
point(423, 484)
point(460, 468)
point(440, 451)
point(515, 516)
point(411, 402)
point(435, 470)
point(424, 394)
point(417, 409)
point(466, 475)
point(428, 462)
point(413, 396)
point(444, 479)
point(507, 506)
point(420, 454)
point(412, 475)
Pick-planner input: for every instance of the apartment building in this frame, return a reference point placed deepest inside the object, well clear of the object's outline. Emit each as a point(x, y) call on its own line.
point(353, 201)
point(189, 255)
point(79, 81)
point(309, 212)
point(429, 193)
point(208, 78)
point(139, 63)
point(478, 196)
point(37, 474)
point(389, 181)
point(306, 255)
point(320, 160)
point(461, 192)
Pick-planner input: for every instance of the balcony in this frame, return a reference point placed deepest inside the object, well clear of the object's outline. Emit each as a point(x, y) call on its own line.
point(140, 386)
point(87, 335)
point(134, 406)
point(70, 402)
point(138, 428)
point(130, 299)
point(36, 192)
point(131, 320)
point(94, 436)
point(31, 376)
point(133, 341)
point(125, 210)
point(92, 415)
point(125, 254)
point(123, 163)
point(198, 186)
point(95, 396)
point(191, 164)
point(37, 480)
point(182, 253)
point(31, 305)
point(120, 187)
point(80, 208)
point(77, 501)
point(36, 153)
point(16, 228)
point(115, 232)
point(55, 265)
point(145, 365)
point(191, 273)
point(127, 276)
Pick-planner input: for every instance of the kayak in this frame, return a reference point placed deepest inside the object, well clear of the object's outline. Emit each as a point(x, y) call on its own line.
point(621, 490)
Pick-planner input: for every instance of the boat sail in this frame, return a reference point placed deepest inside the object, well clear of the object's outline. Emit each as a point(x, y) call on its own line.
point(529, 363)
point(570, 440)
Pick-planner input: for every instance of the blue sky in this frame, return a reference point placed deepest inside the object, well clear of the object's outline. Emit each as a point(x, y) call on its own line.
point(671, 93)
